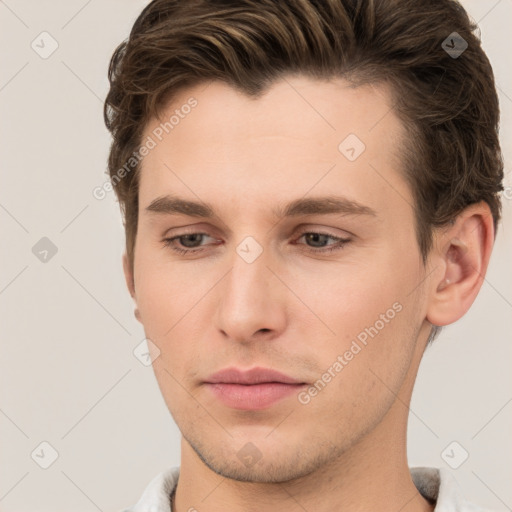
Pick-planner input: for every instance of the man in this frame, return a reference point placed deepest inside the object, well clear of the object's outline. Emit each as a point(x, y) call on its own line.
point(310, 191)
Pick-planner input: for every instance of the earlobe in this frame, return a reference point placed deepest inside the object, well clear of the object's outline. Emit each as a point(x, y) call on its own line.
point(463, 251)
point(130, 283)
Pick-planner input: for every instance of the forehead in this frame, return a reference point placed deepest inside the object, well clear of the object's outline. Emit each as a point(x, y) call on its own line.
point(294, 105)
point(300, 135)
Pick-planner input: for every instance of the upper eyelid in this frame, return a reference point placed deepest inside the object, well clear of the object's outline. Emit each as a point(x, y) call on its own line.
point(300, 234)
point(303, 228)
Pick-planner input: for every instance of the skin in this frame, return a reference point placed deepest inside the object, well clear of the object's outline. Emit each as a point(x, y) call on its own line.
point(292, 309)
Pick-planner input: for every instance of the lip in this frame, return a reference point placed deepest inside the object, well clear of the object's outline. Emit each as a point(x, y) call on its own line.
point(254, 389)
point(256, 375)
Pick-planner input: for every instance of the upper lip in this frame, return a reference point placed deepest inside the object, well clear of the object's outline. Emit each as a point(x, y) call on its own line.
point(253, 376)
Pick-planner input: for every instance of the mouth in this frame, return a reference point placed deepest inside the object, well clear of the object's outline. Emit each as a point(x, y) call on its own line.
point(254, 389)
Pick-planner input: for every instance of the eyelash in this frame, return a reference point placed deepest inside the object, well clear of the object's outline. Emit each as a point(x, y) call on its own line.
point(168, 242)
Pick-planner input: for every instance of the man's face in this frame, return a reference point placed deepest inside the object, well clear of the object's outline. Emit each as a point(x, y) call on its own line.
point(264, 291)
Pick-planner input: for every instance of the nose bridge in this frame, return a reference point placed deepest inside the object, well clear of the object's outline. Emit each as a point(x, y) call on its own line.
point(249, 300)
point(249, 276)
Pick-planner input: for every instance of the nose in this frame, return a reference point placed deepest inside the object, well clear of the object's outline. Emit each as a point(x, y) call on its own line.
point(251, 300)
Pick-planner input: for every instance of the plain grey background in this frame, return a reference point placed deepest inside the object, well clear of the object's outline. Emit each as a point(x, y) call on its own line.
point(69, 377)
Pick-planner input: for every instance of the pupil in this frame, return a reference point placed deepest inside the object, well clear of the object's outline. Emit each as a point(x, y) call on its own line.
point(190, 238)
point(314, 237)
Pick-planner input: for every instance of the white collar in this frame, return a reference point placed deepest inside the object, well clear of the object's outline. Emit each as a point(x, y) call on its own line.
point(434, 484)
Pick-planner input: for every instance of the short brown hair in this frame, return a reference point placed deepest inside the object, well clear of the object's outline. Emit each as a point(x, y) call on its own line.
point(449, 105)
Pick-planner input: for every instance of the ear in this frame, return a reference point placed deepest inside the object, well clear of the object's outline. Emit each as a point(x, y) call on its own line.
point(130, 283)
point(128, 275)
point(462, 251)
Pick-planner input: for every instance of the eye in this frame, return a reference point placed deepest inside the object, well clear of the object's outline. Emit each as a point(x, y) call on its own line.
point(188, 240)
point(190, 243)
point(320, 238)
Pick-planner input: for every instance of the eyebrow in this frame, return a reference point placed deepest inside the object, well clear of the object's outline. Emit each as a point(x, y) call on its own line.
point(325, 205)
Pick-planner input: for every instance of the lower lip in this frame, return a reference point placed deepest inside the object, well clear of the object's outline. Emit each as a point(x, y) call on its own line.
point(254, 396)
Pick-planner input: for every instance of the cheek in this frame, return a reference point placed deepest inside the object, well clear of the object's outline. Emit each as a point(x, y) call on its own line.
point(173, 300)
point(343, 300)
point(358, 381)
point(166, 292)
point(358, 322)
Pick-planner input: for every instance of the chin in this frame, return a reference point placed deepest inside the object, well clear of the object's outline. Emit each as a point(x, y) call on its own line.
point(249, 464)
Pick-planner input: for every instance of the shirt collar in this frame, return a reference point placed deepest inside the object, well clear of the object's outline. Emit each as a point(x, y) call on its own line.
point(434, 484)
